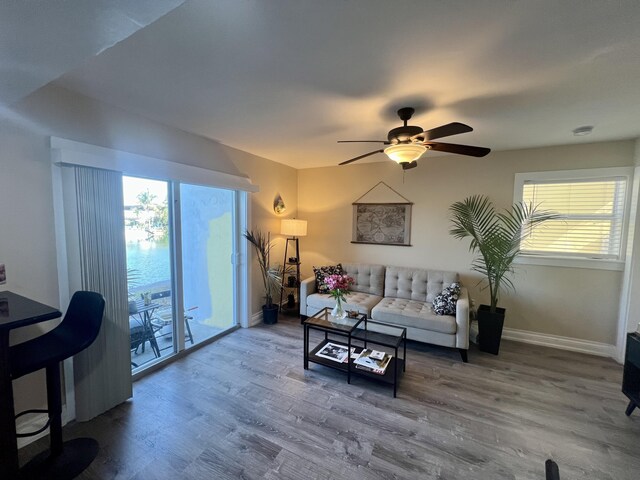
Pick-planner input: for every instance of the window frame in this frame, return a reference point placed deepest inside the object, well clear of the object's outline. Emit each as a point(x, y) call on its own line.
point(561, 176)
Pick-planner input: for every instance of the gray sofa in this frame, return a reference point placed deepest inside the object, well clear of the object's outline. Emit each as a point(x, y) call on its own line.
point(399, 296)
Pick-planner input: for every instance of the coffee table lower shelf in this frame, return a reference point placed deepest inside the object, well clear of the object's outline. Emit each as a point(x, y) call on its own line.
point(390, 376)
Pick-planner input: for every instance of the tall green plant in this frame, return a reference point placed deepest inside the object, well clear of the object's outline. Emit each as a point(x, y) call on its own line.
point(495, 237)
point(271, 276)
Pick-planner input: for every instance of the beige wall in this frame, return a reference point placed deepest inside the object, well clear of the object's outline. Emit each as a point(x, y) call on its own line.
point(572, 302)
point(631, 302)
point(27, 242)
point(273, 178)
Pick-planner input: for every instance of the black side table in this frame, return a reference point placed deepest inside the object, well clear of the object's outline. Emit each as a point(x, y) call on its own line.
point(631, 376)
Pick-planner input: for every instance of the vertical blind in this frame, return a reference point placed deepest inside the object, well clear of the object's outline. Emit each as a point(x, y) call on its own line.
point(103, 371)
point(591, 215)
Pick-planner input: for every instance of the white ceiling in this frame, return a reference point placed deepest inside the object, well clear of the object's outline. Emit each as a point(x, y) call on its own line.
point(285, 79)
point(42, 39)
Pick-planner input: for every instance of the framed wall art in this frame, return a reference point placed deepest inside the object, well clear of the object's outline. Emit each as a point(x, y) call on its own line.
point(382, 222)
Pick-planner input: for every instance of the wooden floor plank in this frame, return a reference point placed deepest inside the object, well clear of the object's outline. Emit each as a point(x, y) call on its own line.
point(244, 407)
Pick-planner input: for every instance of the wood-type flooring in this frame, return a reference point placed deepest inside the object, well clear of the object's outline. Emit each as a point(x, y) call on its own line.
point(244, 408)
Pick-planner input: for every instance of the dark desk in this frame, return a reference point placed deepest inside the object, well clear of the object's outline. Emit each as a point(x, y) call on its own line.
point(15, 311)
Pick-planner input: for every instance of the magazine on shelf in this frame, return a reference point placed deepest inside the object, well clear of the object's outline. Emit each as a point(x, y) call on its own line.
point(354, 355)
point(370, 361)
point(334, 351)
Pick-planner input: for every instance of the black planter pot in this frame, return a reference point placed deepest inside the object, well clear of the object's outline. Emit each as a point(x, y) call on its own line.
point(270, 314)
point(490, 328)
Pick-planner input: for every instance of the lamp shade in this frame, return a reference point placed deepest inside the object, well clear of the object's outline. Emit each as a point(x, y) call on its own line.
point(293, 227)
point(405, 152)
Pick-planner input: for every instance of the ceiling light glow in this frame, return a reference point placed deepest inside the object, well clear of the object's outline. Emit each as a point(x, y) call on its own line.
point(405, 152)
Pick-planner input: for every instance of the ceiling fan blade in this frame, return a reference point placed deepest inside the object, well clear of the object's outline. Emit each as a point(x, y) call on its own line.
point(459, 149)
point(361, 156)
point(454, 128)
point(364, 141)
point(409, 165)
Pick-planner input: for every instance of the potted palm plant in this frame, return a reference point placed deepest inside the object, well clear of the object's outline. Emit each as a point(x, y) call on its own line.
point(495, 237)
point(271, 276)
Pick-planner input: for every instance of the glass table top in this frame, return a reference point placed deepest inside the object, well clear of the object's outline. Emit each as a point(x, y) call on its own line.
point(324, 319)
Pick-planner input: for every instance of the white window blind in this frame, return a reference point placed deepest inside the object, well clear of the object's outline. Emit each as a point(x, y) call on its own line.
point(591, 217)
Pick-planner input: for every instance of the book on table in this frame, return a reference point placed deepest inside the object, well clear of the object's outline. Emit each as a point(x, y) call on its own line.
point(334, 352)
point(373, 361)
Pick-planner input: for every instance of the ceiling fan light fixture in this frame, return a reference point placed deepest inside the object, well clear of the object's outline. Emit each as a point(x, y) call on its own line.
point(405, 152)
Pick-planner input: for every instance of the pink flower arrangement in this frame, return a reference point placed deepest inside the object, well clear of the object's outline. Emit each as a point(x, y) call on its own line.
point(338, 286)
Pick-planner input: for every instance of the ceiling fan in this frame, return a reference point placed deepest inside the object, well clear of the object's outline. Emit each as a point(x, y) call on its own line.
point(408, 143)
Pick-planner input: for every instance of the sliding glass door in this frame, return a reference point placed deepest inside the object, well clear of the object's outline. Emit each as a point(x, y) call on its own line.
point(180, 242)
point(207, 240)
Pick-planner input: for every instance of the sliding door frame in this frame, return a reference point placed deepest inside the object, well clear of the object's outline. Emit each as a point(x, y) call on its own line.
point(66, 152)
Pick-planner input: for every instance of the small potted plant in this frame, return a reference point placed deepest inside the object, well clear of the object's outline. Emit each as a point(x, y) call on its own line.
point(271, 276)
point(496, 238)
point(146, 298)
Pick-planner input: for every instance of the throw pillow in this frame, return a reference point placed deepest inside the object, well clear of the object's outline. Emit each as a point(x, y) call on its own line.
point(445, 303)
point(322, 272)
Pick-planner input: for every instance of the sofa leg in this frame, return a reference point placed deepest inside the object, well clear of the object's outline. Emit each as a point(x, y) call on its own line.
point(463, 354)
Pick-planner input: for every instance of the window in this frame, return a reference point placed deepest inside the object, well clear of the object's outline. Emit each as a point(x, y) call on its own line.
point(592, 208)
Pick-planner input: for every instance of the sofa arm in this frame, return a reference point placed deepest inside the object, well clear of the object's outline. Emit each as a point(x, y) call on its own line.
point(462, 319)
point(307, 287)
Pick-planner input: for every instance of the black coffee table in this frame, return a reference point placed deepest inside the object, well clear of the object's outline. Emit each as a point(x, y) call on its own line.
point(363, 332)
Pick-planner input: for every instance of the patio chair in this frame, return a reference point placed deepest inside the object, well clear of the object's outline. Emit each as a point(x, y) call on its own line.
point(163, 316)
point(141, 331)
point(138, 338)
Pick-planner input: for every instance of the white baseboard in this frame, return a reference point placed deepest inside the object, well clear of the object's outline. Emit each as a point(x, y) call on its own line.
point(552, 341)
point(31, 423)
point(255, 319)
point(562, 343)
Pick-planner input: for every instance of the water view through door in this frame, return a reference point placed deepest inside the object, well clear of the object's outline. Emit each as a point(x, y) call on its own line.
point(148, 236)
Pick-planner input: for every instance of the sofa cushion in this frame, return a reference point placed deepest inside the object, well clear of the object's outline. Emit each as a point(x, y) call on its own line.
point(416, 283)
point(445, 303)
point(367, 278)
point(362, 302)
point(322, 272)
point(411, 313)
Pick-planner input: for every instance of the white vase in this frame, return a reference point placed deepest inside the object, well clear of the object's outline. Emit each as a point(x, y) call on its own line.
point(338, 311)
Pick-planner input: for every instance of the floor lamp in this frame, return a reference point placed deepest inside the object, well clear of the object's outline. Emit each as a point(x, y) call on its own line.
point(293, 229)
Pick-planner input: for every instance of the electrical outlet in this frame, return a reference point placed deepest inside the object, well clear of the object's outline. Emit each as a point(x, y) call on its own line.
point(3, 274)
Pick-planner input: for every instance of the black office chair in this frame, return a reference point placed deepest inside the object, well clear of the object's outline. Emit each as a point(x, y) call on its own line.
point(78, 330)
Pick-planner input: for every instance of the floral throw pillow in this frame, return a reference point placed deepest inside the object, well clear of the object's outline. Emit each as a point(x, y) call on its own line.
point(322, 272)
point(445, 303)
